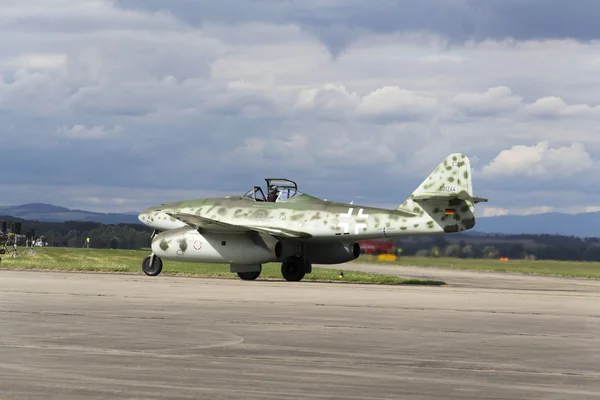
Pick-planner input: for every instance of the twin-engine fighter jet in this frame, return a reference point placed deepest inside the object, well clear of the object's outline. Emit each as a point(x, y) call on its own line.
point(299, 230)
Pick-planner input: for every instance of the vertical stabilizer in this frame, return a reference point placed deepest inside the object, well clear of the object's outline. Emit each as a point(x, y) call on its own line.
point(451, 177)
point(445, 198)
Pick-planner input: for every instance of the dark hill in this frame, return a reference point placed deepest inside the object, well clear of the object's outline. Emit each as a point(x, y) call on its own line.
point(51, 213)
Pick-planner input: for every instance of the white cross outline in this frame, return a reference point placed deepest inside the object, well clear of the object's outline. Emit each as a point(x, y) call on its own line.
point(357, 225)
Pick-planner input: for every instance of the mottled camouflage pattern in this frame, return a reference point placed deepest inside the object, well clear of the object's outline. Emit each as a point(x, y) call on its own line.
point(309, 218)
point(451, 177)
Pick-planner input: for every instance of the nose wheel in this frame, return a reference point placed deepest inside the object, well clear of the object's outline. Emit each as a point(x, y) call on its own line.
point(152, 265)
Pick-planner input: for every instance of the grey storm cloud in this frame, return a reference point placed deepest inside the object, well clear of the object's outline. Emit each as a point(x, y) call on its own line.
point(134, 102)
point(337, 23)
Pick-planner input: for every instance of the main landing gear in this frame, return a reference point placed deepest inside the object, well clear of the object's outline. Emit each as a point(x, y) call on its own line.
point(294, 268)
point(152, 265)
point(249, 276)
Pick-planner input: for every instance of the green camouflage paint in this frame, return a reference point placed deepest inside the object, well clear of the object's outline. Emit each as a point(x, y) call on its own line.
point(308, 217)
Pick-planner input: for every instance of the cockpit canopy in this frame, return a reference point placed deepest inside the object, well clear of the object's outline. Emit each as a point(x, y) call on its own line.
point(278, 189)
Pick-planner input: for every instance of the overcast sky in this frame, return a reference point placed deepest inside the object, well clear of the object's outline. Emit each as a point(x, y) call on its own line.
point(120, 105)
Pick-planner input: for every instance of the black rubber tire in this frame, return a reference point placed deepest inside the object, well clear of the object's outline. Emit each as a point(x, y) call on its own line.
point(249, 276)
point(2, 251)
point(152, 270)
point(292, 269)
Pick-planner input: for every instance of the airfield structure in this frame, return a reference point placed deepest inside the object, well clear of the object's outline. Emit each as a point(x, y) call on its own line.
point(11, 237)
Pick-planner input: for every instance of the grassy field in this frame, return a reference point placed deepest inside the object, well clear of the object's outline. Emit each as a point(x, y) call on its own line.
point(96, 260)
point(538, 267)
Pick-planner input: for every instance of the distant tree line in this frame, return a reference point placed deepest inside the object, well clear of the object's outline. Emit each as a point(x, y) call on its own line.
point(74, 234)
point(535, 247)
point(462, 245)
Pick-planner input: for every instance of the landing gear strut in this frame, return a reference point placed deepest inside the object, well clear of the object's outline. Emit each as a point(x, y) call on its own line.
point(152, 265)
point(294, 268)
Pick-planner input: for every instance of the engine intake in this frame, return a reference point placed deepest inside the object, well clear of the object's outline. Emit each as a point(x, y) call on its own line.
point(332, 253)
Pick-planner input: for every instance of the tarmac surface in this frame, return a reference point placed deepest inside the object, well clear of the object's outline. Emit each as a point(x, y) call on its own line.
point(109, 336)
point(477, 279)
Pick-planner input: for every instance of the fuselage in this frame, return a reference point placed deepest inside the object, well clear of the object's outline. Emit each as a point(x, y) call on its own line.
point(316, 218)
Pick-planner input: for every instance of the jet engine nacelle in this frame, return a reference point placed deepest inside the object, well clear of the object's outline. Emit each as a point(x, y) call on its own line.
point(332, 253)
point(187, 244)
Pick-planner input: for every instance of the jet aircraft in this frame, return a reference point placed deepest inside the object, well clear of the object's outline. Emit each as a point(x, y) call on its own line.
point(298, 229)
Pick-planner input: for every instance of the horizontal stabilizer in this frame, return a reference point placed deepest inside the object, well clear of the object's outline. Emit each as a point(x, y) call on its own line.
point(449, 196)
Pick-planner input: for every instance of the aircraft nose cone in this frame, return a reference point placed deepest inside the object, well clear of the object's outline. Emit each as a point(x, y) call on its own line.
point(144, 216)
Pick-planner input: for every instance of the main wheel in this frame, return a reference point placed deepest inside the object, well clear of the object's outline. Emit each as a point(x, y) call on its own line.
point(155, 268)
point(292, 269)
point(249, 276)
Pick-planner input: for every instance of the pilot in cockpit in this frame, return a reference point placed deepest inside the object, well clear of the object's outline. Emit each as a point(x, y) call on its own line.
point(273, 193)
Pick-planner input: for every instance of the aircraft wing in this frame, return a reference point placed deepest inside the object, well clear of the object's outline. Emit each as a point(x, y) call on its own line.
point(212, 225)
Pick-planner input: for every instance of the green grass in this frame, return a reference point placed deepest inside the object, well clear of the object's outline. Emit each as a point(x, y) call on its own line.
point(580, 269)
point(130, 261)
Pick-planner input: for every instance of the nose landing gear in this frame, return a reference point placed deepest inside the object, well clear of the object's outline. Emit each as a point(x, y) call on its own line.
point(152, 265)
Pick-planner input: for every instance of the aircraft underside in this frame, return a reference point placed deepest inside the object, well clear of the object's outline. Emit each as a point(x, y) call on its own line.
point(245, 252)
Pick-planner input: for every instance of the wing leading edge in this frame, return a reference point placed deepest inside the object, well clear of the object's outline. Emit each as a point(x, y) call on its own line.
point(212, 225)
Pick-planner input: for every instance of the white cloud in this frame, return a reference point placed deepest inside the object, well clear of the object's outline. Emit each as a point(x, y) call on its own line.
point(495, 100)
point(244, 94)
point(438, 58)
point(83, 132)
point(331, 100)
point(541, 160)
point(493, 212)
point(385, 102)
point(38, 92)
point(393, 101)
point(72, 16)
point(37, 61)
point(554, 106)
point(496, 212)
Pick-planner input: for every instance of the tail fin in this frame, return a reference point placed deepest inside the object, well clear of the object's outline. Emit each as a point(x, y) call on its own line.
point(445, 197)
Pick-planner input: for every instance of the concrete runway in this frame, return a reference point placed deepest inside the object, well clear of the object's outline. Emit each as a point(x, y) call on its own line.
point(103, 336)
point(478, 279)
